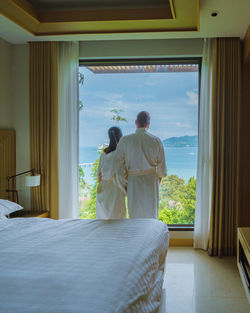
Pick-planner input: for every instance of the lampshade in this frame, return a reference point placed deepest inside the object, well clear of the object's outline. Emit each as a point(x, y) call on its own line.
point(32, 181)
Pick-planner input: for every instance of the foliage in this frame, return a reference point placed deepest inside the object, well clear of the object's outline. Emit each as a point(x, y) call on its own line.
point(84, 188)
point(80, 105)
point(88, 210)
point(80, 78)
point(177, 199)
point(80, 82)
point(117, 116)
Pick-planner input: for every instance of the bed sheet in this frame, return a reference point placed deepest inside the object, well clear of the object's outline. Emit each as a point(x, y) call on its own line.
point(81, 266)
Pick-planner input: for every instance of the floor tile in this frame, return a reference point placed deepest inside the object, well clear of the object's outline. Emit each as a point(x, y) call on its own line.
point(195, 282)
point(220, 305)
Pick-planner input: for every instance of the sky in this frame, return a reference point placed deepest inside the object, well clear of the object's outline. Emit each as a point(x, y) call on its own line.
point(170, 98)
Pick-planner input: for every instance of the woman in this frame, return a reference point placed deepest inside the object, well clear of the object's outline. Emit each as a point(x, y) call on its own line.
point(111, 191)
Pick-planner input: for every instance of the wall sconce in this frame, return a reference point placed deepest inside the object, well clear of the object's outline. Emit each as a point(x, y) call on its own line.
point(30, 181)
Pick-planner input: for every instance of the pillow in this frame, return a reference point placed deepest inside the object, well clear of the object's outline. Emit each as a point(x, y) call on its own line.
point(7, 207)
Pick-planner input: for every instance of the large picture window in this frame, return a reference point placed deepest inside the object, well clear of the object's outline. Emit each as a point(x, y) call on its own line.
point(112, 94)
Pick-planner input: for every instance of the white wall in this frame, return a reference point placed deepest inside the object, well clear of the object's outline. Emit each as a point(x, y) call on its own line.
point(14, 107)
point(141, 48)
point(5, 85)
point(20, 116)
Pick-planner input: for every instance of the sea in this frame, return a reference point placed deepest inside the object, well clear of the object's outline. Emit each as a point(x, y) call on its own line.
point(181, 161)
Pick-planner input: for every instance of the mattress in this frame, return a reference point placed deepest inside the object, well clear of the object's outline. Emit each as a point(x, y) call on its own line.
point(81, 266)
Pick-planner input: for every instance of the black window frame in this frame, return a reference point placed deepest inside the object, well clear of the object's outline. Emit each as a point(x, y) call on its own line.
point(152, 61)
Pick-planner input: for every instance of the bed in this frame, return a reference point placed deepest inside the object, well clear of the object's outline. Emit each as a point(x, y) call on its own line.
point(81, 266)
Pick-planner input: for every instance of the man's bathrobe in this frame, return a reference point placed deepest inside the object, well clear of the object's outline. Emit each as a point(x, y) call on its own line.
point(145, 163)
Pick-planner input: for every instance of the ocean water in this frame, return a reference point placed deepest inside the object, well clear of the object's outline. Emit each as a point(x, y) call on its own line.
point(180, 161)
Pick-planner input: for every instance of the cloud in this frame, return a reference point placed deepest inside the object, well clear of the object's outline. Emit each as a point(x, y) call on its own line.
point(93, 113)
point(192, 98)
point(184, 125)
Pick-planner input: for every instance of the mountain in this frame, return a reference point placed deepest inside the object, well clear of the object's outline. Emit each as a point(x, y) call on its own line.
point(180, 142)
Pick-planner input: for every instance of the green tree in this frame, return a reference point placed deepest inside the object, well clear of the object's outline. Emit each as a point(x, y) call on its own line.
point(81, 175)
point(88, 211)
point(177, 200)
point(117, 116)
point(80, 82)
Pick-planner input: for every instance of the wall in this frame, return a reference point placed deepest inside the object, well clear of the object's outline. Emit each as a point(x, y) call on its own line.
point(5, 85)
point(20, 116)
point(141, 48)
point(14, 107)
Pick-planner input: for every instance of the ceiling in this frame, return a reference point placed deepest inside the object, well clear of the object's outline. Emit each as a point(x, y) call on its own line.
point(73, 18)
point(93, 4)
point(232, 21)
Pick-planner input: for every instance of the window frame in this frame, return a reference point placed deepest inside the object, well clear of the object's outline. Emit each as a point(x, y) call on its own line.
point(153, 61)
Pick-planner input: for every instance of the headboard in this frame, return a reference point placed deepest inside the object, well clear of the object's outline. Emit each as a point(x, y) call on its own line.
point(7, 159)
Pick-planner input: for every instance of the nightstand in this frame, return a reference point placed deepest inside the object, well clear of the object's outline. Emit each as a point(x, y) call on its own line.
point(28, 213)
point(243, 257)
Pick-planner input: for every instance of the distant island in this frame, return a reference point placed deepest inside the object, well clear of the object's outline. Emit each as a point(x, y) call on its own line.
point(180, 142)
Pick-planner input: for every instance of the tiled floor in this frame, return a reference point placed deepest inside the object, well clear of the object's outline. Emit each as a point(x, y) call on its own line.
point(197, 283)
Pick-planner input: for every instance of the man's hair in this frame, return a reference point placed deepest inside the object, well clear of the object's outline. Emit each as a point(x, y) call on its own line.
point(143, 118)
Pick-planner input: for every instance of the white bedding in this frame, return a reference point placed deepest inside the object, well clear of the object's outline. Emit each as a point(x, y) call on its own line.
point(81, 266)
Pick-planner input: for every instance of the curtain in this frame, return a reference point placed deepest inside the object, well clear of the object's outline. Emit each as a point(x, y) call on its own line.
point(204, 165)
point(225, 114)
point(44, 125)
point(68, 129)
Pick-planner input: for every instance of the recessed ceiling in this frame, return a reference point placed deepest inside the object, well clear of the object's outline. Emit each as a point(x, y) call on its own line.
point(44, 18)
point(232, 21)
point(47, 5)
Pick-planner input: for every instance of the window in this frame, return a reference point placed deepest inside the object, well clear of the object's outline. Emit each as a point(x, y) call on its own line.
point(113, 93)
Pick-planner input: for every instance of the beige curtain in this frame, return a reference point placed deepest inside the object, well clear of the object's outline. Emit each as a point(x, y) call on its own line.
point(44, 125)
point(225, 115)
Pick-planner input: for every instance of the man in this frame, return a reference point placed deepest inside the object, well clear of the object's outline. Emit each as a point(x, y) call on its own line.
point(144, 159)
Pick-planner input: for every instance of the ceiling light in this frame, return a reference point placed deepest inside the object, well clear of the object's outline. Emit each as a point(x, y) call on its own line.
point(214, 13)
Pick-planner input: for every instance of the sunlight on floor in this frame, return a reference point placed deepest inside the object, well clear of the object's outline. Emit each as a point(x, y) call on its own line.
point(197, 283)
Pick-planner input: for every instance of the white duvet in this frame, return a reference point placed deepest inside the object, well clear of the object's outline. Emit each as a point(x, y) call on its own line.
point(81, 266)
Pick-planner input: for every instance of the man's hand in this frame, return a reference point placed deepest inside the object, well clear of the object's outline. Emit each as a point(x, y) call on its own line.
point(160, 178)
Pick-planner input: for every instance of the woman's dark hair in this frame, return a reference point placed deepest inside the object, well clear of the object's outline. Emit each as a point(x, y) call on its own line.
point(115, 134)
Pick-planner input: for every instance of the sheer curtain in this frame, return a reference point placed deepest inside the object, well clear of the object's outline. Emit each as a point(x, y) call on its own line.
point(68, 128)
point(204, 167)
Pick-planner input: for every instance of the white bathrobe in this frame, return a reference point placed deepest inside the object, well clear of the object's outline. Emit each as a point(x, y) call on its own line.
point(111, 191)
point(145, 163)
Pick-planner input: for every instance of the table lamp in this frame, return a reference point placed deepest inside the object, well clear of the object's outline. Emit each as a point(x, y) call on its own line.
point(32, 180)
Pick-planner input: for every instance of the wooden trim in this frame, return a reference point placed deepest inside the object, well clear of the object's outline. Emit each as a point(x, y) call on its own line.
point(110, 32)
point(243, 240)
point(247, 46)
point(171, 3)
point(162, 13)
point(181, 242)
point(26, 7)
point(198, 15)
point(12, 19)
point(43, 215)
